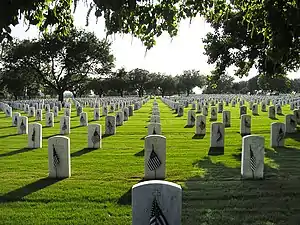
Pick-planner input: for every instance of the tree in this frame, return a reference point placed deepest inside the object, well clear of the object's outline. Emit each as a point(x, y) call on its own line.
point(190, 79)
point(99, 86)
point(223, 85)
point(253, 84)
point(295, 85)
point(119, 81)
point(240, 87)
point(280, 83)
point(167, 85)
point(138, 78)
point(61, 63)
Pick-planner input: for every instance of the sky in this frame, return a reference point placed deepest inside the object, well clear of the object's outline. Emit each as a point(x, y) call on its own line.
point(170, 56)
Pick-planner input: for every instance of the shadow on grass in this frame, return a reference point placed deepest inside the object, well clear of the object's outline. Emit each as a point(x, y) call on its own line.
point(189, 126)
point(71, 128)
point(295, 136)
point(198, 136)
point(125, 199)
point(50, 136)
point(213, 120)
point(216, 151)
point(20, 193)
point(143, 138)
point(141, 153)
point(178, 116)
point(83, 152)
point(280, 114)
point(221, 195)
point(5, 127)
point(255, 115)
point(274, 118)
point(9, 135)
point(22, 150)
point(107, 135)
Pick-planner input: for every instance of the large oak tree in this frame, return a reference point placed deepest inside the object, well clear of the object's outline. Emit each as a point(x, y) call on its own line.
point(60, 63)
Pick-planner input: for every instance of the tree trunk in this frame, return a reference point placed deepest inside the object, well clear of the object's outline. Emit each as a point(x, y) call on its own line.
point(61, 96)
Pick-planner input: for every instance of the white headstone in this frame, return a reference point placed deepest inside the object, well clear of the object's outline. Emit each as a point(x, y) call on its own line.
point(55, 111)
point(130, 108)
point(119, 118)
point(79, 110)
point(272, 112)
point(277, 134)
point(180, 110)
point(156, 201)
point(217, 135)
point(49, 119)
point(243, 110)
point(83, 119)
point(65, 125)
point(245, 125)
point(15, 119)
point(290, 124)
point(155, 119)
point(200, 125)
point(226, 118)
point(253, 152)
point(263, 107)
point(191, 118)
point(96, 114)
point(213, 113)
point(8, 111)
point(23, 125)
point(297, 115)
point(154, 128)
point(126, 113)
point(104, 111)
point(220, 107)
point(278, 109)
point(255, 109)
point(31, 112)
point(205, 110)
point(59, 159)
point(199, 109)
point(110, 125)
point(155, 157)
point(94, 136)
point(67, 112)
point(39, 115)
point(35, 135)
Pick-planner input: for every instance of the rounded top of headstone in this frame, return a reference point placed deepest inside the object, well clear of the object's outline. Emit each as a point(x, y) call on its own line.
point(36, 124)
point(59, 136)
point(155, 135)
point(253, 136)
point(156, 182)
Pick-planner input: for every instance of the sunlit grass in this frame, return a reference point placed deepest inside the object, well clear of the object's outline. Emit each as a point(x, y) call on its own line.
point(99, 190)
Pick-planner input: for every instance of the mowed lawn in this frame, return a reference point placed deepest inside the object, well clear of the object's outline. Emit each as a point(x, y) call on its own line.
point(99, 190)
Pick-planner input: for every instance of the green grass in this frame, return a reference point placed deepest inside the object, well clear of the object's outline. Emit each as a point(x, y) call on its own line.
point(99, 190)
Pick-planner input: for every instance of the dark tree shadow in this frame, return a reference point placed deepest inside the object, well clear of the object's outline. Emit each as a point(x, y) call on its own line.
point(216, 151)
point(141, 153)
point(83, 151)
point(20, 193)
point(6, 127)
point(9, 135)
point(198, 136)
point(53, 135)
point(295, 136)
point(274, 118)
point(22, 150)
point(220, 195)
point(189, 126)
point(125, 199)
point(280, 114)
point(71, 128)
point(213, 120)
point(178, 116)
point(106, 135)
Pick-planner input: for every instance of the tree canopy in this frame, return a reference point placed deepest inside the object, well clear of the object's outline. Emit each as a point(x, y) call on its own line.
point(58, 63)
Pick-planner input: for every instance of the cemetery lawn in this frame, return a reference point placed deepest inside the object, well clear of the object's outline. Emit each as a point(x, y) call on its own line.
point(99, 190)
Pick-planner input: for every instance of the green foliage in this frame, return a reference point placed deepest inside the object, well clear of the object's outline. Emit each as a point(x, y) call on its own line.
point(60, 63)
point(278, 83)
